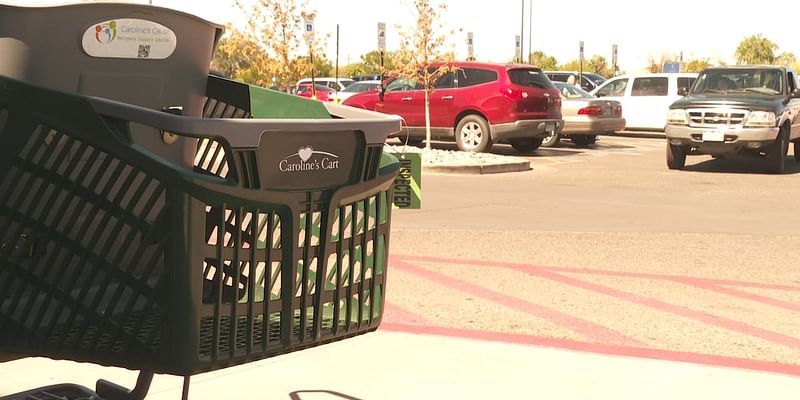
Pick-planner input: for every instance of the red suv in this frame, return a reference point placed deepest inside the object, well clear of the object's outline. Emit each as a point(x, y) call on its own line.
point(477, 104)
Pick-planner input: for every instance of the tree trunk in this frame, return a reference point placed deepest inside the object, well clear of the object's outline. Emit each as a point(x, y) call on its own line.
point(427, 121)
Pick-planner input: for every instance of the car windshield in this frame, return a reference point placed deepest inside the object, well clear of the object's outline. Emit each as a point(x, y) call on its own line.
point(361, 87)
point(571, 91)
point(529, 77)
point(595, 78)
point(756, 80)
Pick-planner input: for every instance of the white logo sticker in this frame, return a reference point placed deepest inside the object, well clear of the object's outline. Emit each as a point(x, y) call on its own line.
point(305, 160)
point(129, 38)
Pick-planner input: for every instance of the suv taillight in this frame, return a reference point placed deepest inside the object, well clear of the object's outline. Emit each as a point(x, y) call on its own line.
point(592, 110)
point(513, 93)
point(618, 110)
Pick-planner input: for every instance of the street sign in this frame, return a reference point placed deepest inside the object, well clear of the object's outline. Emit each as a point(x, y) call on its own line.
point(381, 36)
point(518, 48)
point(470, 48)
point(671, 68)
point(581, 53)
point(614, 49)
point(308, 30)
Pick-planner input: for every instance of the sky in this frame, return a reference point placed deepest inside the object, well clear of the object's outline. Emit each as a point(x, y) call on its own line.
point(641, 29)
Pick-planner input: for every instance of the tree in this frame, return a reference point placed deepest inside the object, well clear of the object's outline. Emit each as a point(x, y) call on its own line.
point(543, 61)
point(786, 58)
point(420, 48)
point(756, 49)
point(599, 65)
point(237, 55)
point(572, 65)
point(695, 65)
point(274, 29)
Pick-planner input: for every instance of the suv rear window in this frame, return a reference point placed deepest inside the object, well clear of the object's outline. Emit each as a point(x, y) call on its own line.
point(529, 77)
point(475, 76)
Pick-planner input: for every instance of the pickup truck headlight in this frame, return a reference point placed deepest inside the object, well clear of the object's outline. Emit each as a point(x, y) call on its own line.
point(760, 119)
point(677, 117)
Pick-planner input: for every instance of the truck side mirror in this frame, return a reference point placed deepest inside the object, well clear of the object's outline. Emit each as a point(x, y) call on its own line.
point(796, 93)
point(683, 91)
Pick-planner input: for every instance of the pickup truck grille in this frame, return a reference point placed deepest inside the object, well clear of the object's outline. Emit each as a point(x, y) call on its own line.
point(702, 118)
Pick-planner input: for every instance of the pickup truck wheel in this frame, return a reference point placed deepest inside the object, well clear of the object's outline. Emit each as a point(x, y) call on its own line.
point(472, 134)
point(797, 151)
point(583, 140)
point(676, 156)
point(776, 155)
point(525, 146)
point(551, 140)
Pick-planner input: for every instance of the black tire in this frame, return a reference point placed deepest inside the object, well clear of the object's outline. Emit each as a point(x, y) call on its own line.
point(797, 150)
point(472, 134)
point(414, 142)
point(551, 140)
point(583, 140)
point(525, 146)
point(776, 155)
point(676, 156)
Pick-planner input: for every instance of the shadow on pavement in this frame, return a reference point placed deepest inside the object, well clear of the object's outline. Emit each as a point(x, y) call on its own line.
point(298, 395)
point(740, 165)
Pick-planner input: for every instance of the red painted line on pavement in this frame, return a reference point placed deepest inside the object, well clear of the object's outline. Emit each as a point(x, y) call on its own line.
point(589, 271)
point(597, 348)
point(649, 302)
point(741, 294)
point(395, 313)
point(588, 329)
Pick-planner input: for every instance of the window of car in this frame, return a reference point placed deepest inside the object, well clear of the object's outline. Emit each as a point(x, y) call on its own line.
point(529, 77)
point(558, 77)
point(445, 81)
point(760, 80)
point(401, 84)
point(614, 88)
point(572, 92)
point(650, 86)
point(360, 87)
point(792, 81)
point(474, 76)
point(685, 82)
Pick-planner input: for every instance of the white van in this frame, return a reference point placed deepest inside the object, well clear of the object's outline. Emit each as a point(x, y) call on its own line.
point(333, 83)
point(645, 98)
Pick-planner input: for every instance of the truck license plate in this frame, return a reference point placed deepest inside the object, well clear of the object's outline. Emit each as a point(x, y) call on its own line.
point(713, 136)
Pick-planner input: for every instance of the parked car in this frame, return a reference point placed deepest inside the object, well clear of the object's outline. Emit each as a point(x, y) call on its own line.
point(585, 116)
point(358, 87)
point(333, 83)
point(743, 109)
point(367, 77)
point(476, 105)
point(589, 80)
point(324, 93)
point(645, 98)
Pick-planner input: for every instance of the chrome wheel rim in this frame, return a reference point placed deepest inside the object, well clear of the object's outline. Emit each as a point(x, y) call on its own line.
point(471, 135)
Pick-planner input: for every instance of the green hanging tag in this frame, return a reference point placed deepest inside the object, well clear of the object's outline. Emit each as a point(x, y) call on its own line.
point(408, 184)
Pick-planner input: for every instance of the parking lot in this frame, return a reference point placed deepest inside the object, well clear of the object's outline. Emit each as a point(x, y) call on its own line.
point(606, 250)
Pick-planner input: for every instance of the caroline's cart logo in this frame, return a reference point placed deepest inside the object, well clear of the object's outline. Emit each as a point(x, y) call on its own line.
point(106, 32)
point(308, 159)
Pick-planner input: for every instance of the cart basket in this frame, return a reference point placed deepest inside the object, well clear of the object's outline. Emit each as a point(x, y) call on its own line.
point(275, 240)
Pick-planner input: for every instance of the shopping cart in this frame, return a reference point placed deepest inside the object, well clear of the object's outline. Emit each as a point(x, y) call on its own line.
point(183, 235)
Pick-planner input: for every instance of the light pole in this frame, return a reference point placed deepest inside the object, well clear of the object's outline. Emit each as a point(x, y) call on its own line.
point(522, 31)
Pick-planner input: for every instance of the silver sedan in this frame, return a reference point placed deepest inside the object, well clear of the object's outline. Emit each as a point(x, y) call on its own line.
point(585, 116)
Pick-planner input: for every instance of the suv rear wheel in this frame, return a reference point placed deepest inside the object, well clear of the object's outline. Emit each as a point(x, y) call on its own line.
point(551, 140)
point(472, 134)
point(797, 150)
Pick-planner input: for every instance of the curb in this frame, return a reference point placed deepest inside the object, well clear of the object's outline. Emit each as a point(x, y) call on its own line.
point(518, 166)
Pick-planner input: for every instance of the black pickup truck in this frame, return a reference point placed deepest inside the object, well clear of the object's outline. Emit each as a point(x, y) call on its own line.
point(748, 109)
